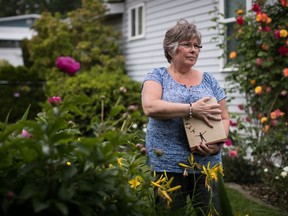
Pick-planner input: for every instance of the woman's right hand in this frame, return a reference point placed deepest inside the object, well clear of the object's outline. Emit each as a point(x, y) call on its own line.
point(206, 112)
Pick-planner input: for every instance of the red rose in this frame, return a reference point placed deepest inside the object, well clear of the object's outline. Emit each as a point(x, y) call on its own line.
point(256, 8)
point(283, 51)
point(240, 20)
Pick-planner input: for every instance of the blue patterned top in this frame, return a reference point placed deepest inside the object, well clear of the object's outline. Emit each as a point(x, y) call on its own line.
point(169, 135)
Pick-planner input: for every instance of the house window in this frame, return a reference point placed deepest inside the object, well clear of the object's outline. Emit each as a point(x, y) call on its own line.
point(136, 22)
point(9, 44)
point(229, 8)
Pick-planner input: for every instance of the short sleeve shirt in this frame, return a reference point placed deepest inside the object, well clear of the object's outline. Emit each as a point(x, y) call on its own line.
point(169, 135)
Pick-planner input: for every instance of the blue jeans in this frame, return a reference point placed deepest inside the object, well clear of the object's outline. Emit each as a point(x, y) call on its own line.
point(192, 186)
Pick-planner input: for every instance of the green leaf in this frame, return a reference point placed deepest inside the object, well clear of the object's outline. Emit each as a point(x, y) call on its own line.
point(70, 171)
point(62, 207)
point(40, 205)
point(116, 110)
point(225, 206)
point(25, 115)
point(7, 117)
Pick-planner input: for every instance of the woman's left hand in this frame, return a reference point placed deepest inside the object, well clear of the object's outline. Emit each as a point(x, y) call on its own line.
point(206, 150)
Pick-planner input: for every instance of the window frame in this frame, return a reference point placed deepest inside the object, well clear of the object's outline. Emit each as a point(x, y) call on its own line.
point(225, 21)
point(136, 22)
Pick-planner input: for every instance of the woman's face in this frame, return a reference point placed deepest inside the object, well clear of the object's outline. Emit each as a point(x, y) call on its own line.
point(187, 52)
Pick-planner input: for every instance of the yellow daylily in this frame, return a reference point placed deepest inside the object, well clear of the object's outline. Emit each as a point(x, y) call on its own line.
point(163, 187)
point(212, 174)
point(119, 161)
point(134, 183)
point(192, 165)
point(174, 188)
point(164, 194)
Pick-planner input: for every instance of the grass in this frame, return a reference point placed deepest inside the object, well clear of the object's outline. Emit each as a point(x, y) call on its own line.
point(244, 206)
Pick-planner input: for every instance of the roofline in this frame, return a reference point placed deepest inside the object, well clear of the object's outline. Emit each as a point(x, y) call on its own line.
point(27, 16)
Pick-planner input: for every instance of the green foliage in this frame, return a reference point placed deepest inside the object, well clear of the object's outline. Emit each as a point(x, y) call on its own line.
point(241, 171)
point(243, 205)
point(97, 90)
point(260, 65)
point(82, 36)
point(259, 75)
point(18, 86)
point(57, 171)
point(16, 7)
point(89, 41)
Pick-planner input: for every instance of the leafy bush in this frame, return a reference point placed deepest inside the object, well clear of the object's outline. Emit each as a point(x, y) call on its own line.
point(97, 90)
point(260, 72)
point(18, 88)
point(83, 36)
point(48, 168)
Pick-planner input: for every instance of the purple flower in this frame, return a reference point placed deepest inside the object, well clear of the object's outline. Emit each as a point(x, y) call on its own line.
point(67, 65)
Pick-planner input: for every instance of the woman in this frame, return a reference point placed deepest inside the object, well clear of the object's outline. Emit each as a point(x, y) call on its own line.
point(171, 94)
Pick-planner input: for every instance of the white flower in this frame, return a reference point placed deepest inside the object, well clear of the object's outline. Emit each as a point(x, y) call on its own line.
point(134, 126)
point(277, 165)
point(276, 177)
point(283, 174)
point(285, 169)
point(144, 130)
point(265, 170)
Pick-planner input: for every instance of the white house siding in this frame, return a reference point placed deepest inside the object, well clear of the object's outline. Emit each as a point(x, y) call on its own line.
point(142, 55)
point(12, 55)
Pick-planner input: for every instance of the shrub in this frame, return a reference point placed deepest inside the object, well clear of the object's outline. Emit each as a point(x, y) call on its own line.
point(48, 168)
point(18, 88)
point(260, 72)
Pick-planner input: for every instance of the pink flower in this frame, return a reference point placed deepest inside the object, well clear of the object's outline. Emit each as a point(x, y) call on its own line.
point(233, 153)
point(277, 34)
point(256, 8)
point(67, 65)
point(26, 134)
point(240, 20)
point(241, 106)
point(274, 122)
point(55, 100)
point(283, 51)
point(266, 29)
point(133, 107)
point(259, 61)
point(283, 93)
point(228, 142)
point(233, 124)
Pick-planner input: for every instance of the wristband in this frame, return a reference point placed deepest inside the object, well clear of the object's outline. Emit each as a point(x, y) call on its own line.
point(190, 110)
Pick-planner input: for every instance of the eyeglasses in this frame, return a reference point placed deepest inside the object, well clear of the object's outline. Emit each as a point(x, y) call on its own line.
point(189, 46)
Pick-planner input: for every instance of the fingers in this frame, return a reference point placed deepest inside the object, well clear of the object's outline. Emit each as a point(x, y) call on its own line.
point(201, 149)
point(205, 150)
point(206, 120)
point(213, 117)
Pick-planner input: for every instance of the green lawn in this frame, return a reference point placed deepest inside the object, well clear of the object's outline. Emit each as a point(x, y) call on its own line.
point(242, 206)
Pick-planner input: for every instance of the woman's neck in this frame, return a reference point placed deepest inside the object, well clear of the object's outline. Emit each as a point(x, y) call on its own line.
point(188, 77)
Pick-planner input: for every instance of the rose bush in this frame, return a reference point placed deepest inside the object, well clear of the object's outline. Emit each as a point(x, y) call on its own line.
point(259, 64)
